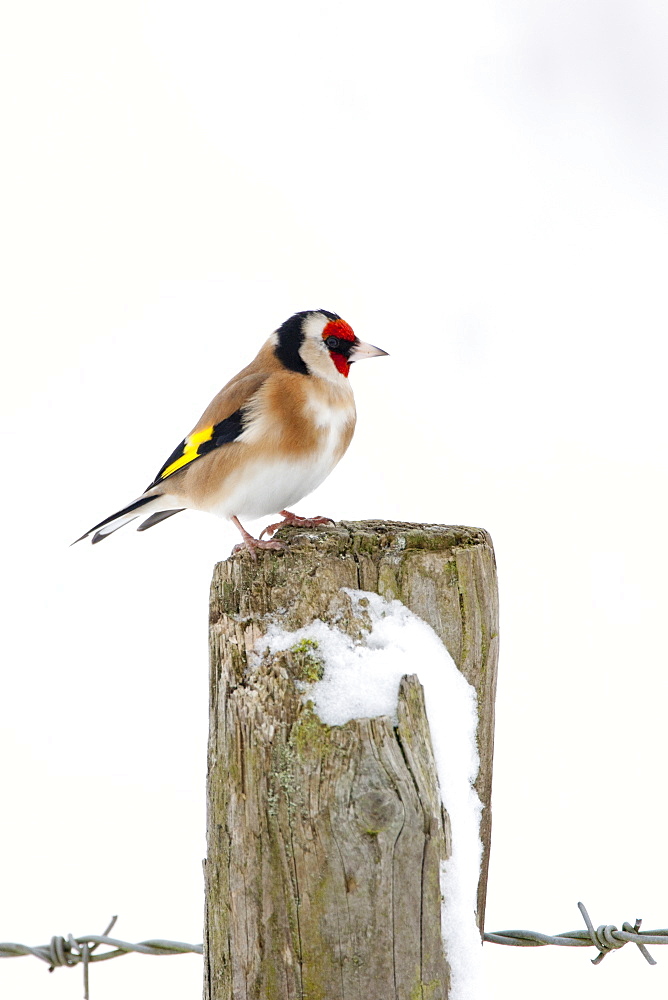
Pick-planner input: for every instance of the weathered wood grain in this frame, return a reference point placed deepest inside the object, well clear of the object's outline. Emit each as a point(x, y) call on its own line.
point(324, 843)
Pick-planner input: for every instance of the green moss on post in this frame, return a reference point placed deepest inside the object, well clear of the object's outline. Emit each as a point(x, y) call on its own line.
point(307, 663)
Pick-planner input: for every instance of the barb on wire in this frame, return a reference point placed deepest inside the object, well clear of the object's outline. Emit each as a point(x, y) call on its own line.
point(71, 951)
point(606, 938)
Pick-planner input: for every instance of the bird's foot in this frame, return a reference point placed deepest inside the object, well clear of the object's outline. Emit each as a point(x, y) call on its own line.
point(295, 521)
point(251, 545)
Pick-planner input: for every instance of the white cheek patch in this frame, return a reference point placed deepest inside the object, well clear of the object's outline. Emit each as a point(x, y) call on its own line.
point(319, 362)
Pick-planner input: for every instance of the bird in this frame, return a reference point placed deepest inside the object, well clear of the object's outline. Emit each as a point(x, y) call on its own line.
point(267, 440)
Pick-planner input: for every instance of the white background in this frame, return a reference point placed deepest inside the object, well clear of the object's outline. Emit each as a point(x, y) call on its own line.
point(478, 188)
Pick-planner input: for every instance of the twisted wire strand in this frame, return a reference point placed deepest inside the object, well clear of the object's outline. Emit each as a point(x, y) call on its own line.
point(606, 937)
point(72, 951)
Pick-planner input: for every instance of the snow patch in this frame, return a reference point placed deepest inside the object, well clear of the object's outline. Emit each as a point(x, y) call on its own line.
point(361, 680)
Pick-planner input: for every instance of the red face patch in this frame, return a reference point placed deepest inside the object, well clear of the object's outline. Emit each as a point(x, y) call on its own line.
point(340, 362)
point(338, 328)
point(342, 331)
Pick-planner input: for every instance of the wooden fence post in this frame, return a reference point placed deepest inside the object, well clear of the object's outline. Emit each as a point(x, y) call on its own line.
point(324, 843)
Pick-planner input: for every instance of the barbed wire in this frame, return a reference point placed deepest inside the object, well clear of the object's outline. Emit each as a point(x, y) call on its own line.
point(72, 951)
point(606, 938)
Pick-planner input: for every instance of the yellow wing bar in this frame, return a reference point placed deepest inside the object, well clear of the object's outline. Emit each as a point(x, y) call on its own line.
point(190, 451)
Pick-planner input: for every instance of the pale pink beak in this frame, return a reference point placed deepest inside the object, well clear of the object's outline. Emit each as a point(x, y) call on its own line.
point(363, 351)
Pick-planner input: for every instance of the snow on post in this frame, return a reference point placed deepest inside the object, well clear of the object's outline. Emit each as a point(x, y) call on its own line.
point(352, 708)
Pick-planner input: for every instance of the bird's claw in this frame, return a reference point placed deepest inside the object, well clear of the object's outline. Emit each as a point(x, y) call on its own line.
point(295, 521)
point(271, 528)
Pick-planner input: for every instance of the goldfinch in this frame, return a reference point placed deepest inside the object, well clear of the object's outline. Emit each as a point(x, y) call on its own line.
point(269, 437)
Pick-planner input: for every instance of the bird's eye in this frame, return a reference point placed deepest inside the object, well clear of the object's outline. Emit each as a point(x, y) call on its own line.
point(332, 343)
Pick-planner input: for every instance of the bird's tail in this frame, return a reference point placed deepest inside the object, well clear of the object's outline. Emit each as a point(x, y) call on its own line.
point(110, 524)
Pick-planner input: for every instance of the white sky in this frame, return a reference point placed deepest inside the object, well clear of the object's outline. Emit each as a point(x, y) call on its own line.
point(478, 188)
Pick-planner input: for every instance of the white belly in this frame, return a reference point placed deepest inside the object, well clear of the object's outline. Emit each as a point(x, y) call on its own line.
point(267, 487)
